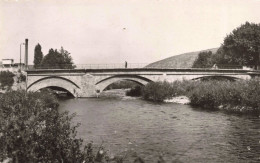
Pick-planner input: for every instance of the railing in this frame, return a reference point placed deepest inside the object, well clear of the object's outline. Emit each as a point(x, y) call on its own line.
point(91, 66)
point(133, 65)
point(111, 66)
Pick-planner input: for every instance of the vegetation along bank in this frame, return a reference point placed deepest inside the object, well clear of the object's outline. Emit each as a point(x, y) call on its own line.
point(232, 96)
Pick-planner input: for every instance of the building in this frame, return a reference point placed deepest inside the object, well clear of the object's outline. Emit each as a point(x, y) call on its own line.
point(6, 63)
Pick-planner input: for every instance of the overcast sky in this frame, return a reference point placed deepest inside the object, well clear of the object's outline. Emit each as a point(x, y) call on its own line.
point(114, 31)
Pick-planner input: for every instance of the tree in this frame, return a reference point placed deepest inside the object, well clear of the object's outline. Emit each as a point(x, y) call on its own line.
point(242, 46)
point(6, 79)
point(38, 56)
point(57, 59)
point(203, 60)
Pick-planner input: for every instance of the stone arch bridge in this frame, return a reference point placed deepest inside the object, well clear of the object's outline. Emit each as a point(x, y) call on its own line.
point(87, 82)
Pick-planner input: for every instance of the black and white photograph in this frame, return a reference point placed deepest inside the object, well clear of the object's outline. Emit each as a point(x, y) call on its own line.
point(129, 81)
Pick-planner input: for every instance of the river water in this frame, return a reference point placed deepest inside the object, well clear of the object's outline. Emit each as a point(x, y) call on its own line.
point(179, 133)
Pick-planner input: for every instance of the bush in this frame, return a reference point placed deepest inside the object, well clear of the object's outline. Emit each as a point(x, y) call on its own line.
point(205, 95)
point(157, 91)
point(123, 84)
point(32, 130)
point(160, 91)
point(235, 96)
point(135, 91)
point(238, 96)
point(22, 78)
point(6, 79)
point(180, 88)
point(250, 93)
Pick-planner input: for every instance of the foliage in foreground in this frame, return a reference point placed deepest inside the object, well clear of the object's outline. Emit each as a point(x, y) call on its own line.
point(6, 79)
point(32, 130)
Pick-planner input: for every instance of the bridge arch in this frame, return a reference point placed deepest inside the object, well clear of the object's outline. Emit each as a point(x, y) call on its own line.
point(54, 81)
point(205, 77)
point(102, 84)
point(231, 77)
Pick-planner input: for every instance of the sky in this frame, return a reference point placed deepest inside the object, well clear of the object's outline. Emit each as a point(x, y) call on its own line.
point(115, 31)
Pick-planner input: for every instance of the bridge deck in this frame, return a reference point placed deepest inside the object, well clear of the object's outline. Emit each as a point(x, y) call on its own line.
point(140, 70)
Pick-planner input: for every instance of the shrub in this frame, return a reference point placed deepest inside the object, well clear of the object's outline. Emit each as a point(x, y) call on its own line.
point(238, 96)
point(157, 91)
point(205, 95)
point(250, 94)
point(135, 91)
point(21, 77)
point(179, 88)
point(122, 84)
point(6, 79)
point(32, 130)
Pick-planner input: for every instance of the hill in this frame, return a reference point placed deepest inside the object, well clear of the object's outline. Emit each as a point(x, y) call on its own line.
point(179, 61)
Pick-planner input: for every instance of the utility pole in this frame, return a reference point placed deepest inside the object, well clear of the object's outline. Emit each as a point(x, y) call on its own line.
point(258, 66)
point(21, 56)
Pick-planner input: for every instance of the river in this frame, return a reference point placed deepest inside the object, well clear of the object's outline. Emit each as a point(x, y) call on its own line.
point(179, 133)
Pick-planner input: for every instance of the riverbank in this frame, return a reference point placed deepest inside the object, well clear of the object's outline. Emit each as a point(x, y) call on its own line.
point(230, 96)
point(179, 100)
point(122, 94)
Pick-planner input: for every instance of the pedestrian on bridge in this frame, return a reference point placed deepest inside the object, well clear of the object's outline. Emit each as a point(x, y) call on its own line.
point(125, 64)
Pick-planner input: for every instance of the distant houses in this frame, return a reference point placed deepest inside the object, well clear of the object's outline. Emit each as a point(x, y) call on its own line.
point(8, 64)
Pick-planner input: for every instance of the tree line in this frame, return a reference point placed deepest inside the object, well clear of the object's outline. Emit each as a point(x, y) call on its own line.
point(57, 59)
point(241, 47)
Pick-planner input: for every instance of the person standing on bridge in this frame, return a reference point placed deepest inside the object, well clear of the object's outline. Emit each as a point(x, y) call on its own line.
point(125, 64)
point(215, 66)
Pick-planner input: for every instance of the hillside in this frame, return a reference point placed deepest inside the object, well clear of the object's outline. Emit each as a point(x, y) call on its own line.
point(179, 61)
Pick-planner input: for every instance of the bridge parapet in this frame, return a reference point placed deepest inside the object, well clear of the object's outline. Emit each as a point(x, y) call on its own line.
point(133, 65)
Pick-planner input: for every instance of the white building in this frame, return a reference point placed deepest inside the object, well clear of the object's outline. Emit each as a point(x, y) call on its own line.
point(7, 63)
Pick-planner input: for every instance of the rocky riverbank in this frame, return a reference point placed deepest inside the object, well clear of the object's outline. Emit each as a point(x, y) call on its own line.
point(179, 100)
